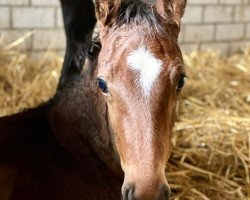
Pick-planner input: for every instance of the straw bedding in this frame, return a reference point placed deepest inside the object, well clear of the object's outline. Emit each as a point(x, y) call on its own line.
point(211, 153)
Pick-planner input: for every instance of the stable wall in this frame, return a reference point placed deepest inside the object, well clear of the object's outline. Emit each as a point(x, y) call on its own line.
point(222, 24)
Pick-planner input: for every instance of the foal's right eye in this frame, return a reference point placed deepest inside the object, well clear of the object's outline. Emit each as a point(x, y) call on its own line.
point(103, 86)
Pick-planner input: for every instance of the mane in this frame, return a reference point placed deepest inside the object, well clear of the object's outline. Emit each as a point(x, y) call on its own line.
point(138, 13)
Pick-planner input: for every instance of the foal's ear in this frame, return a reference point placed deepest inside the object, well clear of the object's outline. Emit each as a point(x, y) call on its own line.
point(171, 10)
point(107, 11)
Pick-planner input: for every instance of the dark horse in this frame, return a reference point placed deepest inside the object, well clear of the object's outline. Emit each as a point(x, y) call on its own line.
point(83, 144)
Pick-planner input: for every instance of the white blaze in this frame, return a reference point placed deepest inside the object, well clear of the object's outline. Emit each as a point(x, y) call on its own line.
point(147, 65)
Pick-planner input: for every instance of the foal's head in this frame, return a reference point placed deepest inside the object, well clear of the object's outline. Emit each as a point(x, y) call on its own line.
point(141, 72)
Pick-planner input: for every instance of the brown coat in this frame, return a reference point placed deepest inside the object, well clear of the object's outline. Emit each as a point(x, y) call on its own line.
point(60, 150)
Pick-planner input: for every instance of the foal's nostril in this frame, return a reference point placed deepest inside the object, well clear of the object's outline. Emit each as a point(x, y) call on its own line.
point(128, 192)
point(164, 193)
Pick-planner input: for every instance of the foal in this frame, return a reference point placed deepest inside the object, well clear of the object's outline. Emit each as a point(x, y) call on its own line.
point(71, 147)
point(141, 72)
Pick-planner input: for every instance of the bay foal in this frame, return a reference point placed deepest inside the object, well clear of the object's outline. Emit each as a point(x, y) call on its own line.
point(71, 147)
point(141, 73)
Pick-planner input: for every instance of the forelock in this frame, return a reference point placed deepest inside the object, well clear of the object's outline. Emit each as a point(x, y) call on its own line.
point(137, 13)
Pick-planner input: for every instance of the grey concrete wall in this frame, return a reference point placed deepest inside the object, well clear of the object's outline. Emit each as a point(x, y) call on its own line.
point(222, 24)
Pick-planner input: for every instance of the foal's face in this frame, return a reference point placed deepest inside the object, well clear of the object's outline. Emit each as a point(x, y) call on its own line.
point(141, 73)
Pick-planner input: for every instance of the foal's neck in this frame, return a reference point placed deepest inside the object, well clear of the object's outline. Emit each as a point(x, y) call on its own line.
point(80, 122)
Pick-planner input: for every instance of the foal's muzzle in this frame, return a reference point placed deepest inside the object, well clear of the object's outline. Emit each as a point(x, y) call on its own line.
point(128, 193)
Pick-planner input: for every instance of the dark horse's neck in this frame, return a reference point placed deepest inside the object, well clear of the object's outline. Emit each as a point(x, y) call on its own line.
point(80, 122)
point(61, 150)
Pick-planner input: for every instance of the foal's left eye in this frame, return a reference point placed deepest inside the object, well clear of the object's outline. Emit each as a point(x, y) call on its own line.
point(103, 85)
point(181, 83)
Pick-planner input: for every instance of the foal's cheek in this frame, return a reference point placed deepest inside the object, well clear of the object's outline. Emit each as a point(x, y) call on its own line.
point(116, 126)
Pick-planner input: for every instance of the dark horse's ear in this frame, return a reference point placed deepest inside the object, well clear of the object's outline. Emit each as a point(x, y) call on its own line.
point(107, 11)
point(171, 10)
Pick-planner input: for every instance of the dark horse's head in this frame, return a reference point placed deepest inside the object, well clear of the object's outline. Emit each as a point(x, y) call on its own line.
point(141, 72)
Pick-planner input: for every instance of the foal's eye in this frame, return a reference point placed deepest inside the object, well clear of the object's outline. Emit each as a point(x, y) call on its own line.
point(181, 83)
point(103, 85)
